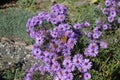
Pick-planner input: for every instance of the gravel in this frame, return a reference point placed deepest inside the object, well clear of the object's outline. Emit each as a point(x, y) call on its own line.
point(12, 54)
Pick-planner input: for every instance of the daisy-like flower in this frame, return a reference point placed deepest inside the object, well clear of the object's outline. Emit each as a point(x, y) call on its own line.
point(54, 34)
point(113, 13)
point(87, 24)
point(66, 62)
point(67, 26)
point(81, 69)
point(119, 4)
point(54, 20)
point(91, 52)
point(77, 26)
point(89, 34)
point(66, 52)
point(77, 59)
point(69, 33)
point(56, 67)
point(61, 27)
point(36, 52)
point(103, 45)
point(86, 64)
point(96, 35)
point(42, 69)
point(39, 40)
point(110, 19)
point(28, 76)
point(69, 76)
point(105, 10)
point(71, 42)
point(61, 17)
point(93, 46)
point(105, 27)
point(107, 2)
point(86, 76)
point(60, 74)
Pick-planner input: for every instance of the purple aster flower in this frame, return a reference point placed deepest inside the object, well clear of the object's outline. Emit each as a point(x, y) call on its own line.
point(119, 3)
point(86, 64)
point(67, 63)
point(58, 9)
point(54, 10)
point(110, 19)
point(61, 17)
point(77, 59)
point(77, 26)
point(60, 74)
point(103, 45)
point(61, 27)
point(93, 46)
point(67, 26)
point(105, 10)
point(42, 15)
point(71, 67)
point(28, 76)
point(69, 33)
point(89, 34)
point(96, 29)
point(56, 67)
point(54, 20)
point(56, 29)
point(39, 40)
point(113, 3)
point(82, 69)
point(36, 52)
point(69, 76)
point(119, 20)
point(66, 52)
point(107, 2)
point(96, 35)
point(66, 72)
point(32, 70)
point(86, 24)
point(86, 76)
point(105, 27)
point(71, 42)
point(59, 49)
point(91, 52)
point(42, 69)
point(54, 34)
point(113, 13)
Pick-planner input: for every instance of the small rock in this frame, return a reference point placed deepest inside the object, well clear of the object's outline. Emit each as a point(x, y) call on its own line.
point(20, 43)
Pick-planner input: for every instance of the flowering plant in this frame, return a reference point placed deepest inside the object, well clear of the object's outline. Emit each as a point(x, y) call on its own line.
point(55, 42)
point(112, 11)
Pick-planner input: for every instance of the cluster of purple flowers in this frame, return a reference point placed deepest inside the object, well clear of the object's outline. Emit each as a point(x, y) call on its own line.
point(112, 10)
point(53, 46)
point(95, 41)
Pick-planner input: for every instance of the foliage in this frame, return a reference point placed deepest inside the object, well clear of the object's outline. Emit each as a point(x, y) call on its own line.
point(26, 3)
point(12, 22)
